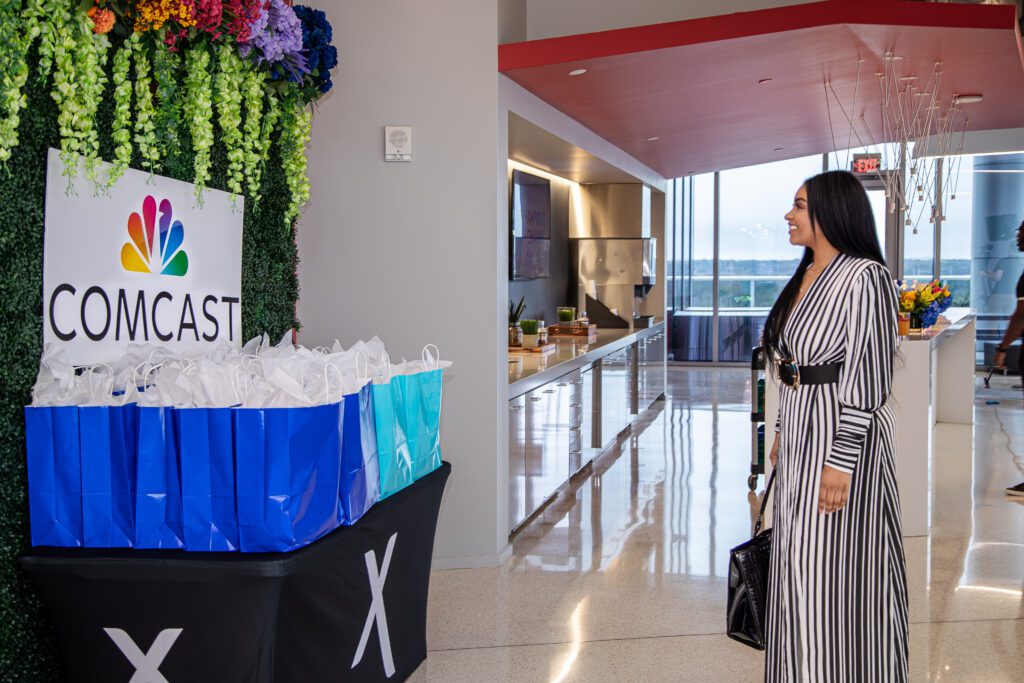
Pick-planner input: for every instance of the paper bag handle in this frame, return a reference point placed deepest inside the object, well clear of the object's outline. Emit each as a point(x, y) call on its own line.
point(426, 356)
point(327, 383)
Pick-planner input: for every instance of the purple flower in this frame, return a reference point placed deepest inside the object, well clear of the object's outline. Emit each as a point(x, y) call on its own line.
point(276, 36)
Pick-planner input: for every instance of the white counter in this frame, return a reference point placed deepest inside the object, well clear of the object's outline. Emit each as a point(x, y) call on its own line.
point(535, 370)
point(933, 383)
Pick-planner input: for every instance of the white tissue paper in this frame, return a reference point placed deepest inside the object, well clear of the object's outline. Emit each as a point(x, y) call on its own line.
point(258, 375)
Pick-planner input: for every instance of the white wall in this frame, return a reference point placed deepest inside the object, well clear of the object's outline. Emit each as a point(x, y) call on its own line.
point(551, 18)
point(511, 21)
point(409, 250)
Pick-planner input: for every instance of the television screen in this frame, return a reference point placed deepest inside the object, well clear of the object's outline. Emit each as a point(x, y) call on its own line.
point(530, 247)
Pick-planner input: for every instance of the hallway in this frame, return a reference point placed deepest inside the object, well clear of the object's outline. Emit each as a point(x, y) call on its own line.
point(622, 578)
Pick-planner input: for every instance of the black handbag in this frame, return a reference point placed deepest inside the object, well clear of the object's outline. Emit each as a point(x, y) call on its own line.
point(746, 617)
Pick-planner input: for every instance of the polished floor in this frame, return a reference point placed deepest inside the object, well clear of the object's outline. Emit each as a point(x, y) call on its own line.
point(622, 578)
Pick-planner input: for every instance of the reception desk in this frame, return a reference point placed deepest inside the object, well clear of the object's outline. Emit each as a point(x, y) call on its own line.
point(566, 407)
point(933, 383)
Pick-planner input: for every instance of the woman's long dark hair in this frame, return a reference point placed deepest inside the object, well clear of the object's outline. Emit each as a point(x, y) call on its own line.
point(838, 205)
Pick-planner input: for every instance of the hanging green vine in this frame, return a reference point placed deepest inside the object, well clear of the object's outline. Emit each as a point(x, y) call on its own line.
point(64, 86)
point(145, 126)
point(230, 81)
point(91, 59)
point(45, 14)
point(296, 125)
point(16, 35)
point(121, 129)
point(198, 110)
point(253, 95)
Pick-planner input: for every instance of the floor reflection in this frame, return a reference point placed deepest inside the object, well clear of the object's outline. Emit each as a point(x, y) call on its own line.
point(670, 495)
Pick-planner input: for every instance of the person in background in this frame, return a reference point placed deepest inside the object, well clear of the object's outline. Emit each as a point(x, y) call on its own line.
point(1014, 331)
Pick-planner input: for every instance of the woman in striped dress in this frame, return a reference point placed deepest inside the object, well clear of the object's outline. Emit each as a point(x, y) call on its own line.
point(837, 602)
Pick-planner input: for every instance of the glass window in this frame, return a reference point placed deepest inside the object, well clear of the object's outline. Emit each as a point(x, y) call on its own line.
point(755, 256)
point(955, 244)
point(692, 319)
point(702, 241)
point(919, 225)
point(996, 207)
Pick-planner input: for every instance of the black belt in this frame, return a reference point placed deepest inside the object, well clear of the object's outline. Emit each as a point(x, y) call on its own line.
point(793, 375)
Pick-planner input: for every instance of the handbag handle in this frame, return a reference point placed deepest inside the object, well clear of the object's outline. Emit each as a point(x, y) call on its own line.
point(764, 502)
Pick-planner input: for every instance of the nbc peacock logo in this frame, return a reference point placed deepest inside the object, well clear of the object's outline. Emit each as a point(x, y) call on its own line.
point(149, 252)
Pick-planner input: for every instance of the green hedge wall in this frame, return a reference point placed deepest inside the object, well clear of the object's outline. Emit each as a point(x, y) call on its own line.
point(269, 294)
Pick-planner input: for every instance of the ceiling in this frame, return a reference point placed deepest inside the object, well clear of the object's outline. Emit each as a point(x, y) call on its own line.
point(694, 85)
point(532, 145)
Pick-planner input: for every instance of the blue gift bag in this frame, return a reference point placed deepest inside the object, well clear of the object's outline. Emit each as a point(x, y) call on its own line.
point(287, 473)
point(419, 397)
point(158, 515)
point(394, 460)
point(206, 438)
point(54, 475)
point(108, 438)
point(360, 477)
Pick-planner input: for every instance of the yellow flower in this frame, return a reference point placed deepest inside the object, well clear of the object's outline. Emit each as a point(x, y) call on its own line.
point(153, 14)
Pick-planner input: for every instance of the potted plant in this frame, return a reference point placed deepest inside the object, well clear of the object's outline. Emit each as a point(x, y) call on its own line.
point(566, 315)
point(529, 333)
point(515, 311)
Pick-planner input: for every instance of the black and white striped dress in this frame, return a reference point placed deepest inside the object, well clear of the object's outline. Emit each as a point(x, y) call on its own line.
point(837, 608)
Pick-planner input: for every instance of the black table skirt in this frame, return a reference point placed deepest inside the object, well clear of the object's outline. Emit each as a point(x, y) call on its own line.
point(219, 617)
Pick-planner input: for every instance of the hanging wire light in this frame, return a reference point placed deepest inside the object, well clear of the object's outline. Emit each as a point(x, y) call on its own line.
point(918, 126)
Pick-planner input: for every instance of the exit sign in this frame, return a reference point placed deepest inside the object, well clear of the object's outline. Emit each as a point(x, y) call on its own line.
point(866, 163)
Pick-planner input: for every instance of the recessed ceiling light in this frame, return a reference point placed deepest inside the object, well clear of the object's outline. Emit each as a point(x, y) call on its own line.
point(967, 99)
point(577, 72)
point(653, 139)
point(764, 81)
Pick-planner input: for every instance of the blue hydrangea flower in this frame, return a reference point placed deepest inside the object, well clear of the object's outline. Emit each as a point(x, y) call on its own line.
point(320, 55)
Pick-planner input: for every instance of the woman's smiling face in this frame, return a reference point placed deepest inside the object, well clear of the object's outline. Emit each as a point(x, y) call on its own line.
point(801, 233)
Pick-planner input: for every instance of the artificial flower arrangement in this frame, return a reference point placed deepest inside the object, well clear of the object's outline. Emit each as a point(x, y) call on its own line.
point(924, 302)
point(257, 64)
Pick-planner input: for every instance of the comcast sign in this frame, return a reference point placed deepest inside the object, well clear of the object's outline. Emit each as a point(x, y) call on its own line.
point(142, 264)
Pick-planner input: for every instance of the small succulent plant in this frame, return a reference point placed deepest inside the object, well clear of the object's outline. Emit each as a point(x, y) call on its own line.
point(515, 311)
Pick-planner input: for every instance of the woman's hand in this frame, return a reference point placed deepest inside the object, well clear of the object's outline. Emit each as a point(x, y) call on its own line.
point(834, 491)
point(774, 455)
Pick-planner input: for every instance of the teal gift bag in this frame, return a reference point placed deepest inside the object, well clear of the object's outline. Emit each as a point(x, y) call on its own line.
point(407, 411)
point(394, 460)
point(419, 401)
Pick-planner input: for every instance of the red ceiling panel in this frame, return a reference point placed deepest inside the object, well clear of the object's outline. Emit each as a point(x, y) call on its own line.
point(695, 84)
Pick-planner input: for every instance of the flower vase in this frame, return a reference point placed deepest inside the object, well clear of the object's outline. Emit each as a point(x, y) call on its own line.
point(903, 325)
point(515, 335)
point(916, 326)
